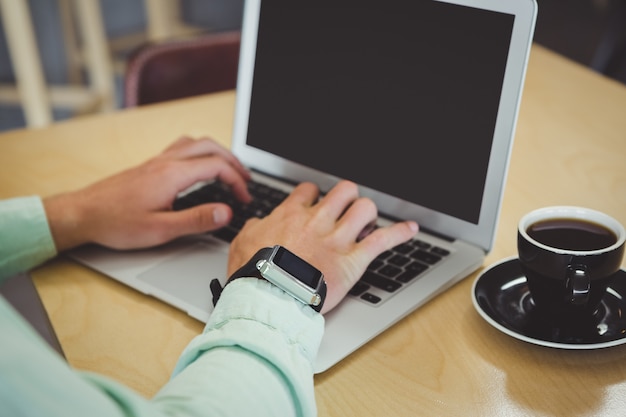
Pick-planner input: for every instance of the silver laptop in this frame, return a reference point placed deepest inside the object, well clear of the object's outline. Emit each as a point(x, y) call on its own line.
point(415, 101)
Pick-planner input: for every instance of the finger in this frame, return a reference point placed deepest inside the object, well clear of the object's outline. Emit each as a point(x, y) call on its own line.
point(360, 215)
point(180, 142)
point(338, 199)
point(187, 148)
point(385, 238)
point(198, 219)
point(192, 148)
point(208, 168)
point(369, 228)
point(305, 194)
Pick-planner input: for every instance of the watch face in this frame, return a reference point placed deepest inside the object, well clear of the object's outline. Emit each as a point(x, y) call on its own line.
point(297, 267)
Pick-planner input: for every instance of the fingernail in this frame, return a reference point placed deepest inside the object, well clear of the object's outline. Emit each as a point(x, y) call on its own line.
point(220, 215)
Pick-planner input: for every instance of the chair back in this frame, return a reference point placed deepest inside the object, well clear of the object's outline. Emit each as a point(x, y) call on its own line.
point(180, 68)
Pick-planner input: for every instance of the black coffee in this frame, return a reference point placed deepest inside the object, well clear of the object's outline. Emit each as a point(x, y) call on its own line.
point(572, 234)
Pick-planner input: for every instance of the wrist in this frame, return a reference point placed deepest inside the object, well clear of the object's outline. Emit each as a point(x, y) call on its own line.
point(64, 220)
point(284, 270)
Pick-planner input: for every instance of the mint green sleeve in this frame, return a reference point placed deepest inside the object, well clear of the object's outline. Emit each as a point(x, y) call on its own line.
point(245, 324)
point(25, 239)
point(254, 357)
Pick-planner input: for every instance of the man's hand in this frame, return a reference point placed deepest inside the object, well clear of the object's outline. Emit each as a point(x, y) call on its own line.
point(326, 233)
point(133, 209)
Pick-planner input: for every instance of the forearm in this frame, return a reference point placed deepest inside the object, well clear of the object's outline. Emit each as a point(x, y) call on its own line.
point(253, 358)
point(269, 342)
point(229, 381)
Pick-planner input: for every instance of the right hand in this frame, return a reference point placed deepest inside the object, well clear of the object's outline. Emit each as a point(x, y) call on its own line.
point(326, 233)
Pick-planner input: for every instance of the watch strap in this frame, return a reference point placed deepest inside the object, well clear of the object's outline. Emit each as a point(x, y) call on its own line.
point(250, 270)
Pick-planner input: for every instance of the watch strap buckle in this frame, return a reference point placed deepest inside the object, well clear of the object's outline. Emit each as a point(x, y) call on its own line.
point(216, 290)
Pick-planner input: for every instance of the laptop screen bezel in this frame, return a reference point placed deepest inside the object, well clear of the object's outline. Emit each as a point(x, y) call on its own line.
point(481, 234)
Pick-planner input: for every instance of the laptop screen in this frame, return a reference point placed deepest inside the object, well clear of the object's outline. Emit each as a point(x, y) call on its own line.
point(414, 100)
point(399, 96)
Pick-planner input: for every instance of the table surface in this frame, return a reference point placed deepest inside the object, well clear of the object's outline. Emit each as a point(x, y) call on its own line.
point(442, 360)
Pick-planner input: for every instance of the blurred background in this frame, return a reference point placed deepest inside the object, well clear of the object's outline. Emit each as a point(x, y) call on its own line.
point(590, 32)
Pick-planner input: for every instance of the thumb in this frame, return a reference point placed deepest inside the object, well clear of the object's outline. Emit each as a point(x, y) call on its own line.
point(200, 219)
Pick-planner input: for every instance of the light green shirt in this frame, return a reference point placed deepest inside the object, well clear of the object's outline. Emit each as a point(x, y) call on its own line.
point(254, 357)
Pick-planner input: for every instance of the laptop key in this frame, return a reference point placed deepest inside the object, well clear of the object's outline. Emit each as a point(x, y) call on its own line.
point(426, 257)
point(380, 282)
point(359, 288)
point(420, 244)
point(389, 271)
point(370, 298)
point(375, 264)
point(440, 251)
point(411, 271)
point(398, 260)
point(225, 233)
point(404, 248)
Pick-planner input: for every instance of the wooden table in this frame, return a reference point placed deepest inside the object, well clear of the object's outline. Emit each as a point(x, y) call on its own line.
point(442, 360)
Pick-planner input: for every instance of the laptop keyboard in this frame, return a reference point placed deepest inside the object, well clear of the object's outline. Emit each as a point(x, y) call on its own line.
point(385, 276)
point(265, 198)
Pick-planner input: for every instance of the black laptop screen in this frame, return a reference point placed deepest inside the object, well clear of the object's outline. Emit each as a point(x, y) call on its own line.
point(400, 96)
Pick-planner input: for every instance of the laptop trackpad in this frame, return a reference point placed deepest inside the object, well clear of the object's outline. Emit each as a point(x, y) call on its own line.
point(183, 280)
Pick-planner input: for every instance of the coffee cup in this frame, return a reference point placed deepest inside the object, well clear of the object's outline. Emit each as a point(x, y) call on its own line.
point(569, 255)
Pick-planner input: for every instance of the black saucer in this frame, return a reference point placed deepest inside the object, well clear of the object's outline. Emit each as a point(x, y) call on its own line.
point(500, 295)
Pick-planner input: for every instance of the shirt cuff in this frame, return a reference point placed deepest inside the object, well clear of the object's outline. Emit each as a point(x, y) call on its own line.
point(25, 237)
point(262, 319)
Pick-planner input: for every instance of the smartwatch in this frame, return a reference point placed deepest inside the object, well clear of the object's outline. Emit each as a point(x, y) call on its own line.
point(285, 270)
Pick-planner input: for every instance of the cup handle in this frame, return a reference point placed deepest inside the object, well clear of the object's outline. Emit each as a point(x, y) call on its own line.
point(578, 284)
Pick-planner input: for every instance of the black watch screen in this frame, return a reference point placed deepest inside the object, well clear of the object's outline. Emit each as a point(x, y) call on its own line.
point(297, 267)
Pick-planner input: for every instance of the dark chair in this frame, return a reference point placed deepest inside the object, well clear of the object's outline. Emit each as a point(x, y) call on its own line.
point(610, 56)
point(180, 68)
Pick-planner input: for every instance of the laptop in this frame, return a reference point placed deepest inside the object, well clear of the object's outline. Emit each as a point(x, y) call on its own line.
point(415, 101)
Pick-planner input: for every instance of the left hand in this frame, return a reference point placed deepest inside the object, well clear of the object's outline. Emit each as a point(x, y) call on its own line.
point(133, 209)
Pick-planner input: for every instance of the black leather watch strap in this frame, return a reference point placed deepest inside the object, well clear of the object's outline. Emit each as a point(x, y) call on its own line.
point(250, 270)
